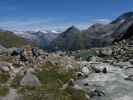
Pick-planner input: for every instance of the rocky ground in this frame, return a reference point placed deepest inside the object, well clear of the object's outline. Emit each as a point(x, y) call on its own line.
point(95, 74)
point(110, 76)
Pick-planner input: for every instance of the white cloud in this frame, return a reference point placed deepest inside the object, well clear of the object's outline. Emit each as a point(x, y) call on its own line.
point(104, 21)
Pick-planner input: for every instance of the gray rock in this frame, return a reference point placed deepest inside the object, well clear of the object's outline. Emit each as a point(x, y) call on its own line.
point(113, 84)
point(2, 48)
point(131, 61)
point(4, 67)
point(85, 71)
point(129, 78)
point(106, 51)
point(30, 80)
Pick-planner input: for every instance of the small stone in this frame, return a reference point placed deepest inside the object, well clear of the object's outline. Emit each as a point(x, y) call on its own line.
point(79, 74)
point(129, 78)
point(131, 61)
point(105, 70)
point(71, 82)
point(86, 84)
point(69, 66)
point(97, 93)
point(85, 70)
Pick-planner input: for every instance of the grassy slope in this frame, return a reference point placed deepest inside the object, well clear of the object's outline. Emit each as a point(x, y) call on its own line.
point(8, 39)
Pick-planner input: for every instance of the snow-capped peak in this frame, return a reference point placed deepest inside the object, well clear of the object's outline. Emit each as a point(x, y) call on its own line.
point(54, 31)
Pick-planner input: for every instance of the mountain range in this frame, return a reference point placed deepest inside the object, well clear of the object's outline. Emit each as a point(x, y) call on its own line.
point(42, 39)
point(97, 35)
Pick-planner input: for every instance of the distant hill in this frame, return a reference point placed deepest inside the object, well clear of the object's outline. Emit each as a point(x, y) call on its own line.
point(9, 39)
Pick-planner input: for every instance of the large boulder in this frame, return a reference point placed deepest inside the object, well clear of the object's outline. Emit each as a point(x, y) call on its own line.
point(106, 52)
point(30, 80)
point(5, 67)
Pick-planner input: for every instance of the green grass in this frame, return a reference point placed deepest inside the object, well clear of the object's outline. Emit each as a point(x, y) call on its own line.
point(4, 77)
point(31, 93)
point(16, 82)
point(49, 76)
point(8, 39)
point(4, 91)
point(52, 80)
point(76, 94)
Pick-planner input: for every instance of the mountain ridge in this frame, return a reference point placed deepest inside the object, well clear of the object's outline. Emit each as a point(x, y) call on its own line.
point(97, 35)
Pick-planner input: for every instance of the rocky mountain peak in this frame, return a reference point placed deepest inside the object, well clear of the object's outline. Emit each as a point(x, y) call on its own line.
point(128, 16)
point(72, 29)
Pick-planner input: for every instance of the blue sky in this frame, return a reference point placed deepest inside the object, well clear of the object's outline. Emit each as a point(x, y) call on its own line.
point(59, 14)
